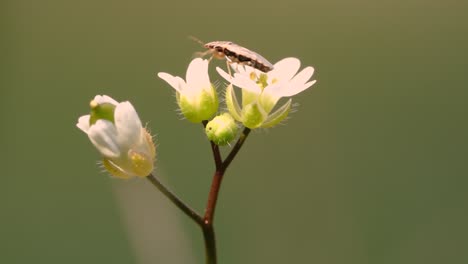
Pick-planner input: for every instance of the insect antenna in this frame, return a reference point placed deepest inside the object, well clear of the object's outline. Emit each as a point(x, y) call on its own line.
point(197, 40)
point(200, 54)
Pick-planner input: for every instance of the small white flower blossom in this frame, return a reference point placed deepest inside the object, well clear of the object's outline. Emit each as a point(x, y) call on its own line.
point(261, 91)
point(116, 131)
point(196, 96)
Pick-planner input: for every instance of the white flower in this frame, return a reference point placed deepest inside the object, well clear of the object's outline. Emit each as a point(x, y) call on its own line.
point(196, 96)
point(261, 91)
point(116, 131)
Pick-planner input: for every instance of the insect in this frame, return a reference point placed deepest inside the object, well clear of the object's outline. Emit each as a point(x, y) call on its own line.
point(237, 54)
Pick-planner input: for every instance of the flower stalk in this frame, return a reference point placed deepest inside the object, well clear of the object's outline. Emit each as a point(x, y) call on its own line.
point(208, 219)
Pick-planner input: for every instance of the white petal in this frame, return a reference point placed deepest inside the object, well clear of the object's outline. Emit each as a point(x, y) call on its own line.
point(197, 75)
point(284, 69)
point(128, 125)
point(224, 74)
point(100, 99)
point(83, 123)
point(240, 80)
point(245, 82)
point(176, 82)
point(302, 77)
point(104, 137)
point(271, 94)
point(298, 83)
point(276, 90)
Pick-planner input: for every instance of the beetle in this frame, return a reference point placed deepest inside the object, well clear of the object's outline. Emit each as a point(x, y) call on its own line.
point(235, 53)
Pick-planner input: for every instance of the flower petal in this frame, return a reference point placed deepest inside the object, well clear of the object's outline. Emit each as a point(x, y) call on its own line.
point(298, 83)
point(176, 82)
point(240, 80)
point(83, 123)
point(197, 75)
point(104, 137)
point(101, 99)
point(224, 74)
point(128, 125)
point(284, 69)
point(275, 91)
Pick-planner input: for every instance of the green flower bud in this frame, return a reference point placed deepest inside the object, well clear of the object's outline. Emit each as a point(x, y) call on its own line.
point(222, 129)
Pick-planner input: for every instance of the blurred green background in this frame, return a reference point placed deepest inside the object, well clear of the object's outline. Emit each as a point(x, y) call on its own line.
point(372, 168)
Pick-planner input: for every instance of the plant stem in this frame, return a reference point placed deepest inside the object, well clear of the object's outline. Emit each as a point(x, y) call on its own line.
point(213, 197)
point(206, 222)
point(235, 149)
point(176, 200)
point(221, 167)
point(210, 244)
point(215, 149)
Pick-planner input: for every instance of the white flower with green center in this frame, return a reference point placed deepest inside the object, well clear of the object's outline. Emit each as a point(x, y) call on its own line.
point(261, 91)
point(116, 131)
point(196, 96)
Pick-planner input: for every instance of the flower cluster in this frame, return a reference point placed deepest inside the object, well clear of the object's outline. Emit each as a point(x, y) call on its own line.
point(126, 146)
point(261, 92)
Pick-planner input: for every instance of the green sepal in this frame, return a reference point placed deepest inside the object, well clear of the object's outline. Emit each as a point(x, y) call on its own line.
point(253, 116)
point(278, 116)
point(232, 103)
point(199, 108)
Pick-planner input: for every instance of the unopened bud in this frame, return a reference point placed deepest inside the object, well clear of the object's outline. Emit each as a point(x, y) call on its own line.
point(222, 129)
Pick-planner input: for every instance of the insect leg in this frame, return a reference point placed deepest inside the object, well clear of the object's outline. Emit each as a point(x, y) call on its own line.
point(228, 64)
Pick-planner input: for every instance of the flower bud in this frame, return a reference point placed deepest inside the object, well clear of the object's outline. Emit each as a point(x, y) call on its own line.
point(222, 129)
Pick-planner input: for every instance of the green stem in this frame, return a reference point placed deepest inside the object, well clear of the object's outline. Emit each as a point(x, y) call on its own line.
point(175, 200)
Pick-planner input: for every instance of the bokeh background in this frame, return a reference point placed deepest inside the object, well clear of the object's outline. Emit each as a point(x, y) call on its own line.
point(372, 168)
